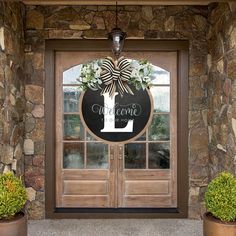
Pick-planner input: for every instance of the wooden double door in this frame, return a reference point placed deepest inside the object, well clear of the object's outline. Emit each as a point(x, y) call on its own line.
point(139, 174)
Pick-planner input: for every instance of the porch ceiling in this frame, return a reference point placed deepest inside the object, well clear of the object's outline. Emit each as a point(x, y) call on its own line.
point(120, 2)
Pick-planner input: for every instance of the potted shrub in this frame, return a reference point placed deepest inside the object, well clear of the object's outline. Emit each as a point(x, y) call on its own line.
point(13, 197)
point(220, 200)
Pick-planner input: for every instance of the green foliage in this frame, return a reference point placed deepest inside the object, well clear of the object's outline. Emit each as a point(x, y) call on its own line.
point(140, 77)
point(160, 128)
point(12, 195)
point(220, 198)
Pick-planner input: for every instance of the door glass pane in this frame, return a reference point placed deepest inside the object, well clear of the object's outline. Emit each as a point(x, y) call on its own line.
point(73, 129)
point(73, 156)
point(135, 156)
point(159, 155)
point(160, 128)
point(89, 137)
point(71, 75)
point(71, 99)
point(97, 156)
point(142, 137)
point(160, 76)
point(161, 97)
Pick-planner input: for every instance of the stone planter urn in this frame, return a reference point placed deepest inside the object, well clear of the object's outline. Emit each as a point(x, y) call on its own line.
point(13, 197)
point(16, 226)
point(215, 227)
point(220, 220)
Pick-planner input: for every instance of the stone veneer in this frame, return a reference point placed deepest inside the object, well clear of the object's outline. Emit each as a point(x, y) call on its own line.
point(12, 102)
point(222, 89)
point(212, 107)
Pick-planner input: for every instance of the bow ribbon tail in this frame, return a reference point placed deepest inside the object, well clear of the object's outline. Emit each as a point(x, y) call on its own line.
point(121, 87)
point(123, 81)
point(111, 89)
point(124, 88)
point(128, 89)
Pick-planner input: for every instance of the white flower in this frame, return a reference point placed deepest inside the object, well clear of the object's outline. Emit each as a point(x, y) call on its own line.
point(135, 65)
point(134, 73)
point(98, 72)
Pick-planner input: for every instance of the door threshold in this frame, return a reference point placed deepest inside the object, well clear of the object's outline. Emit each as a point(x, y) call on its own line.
point(117, 210)
point(115, 213)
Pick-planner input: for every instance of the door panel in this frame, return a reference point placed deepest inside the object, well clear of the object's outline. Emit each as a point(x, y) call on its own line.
point(147, 187)
point(85, 201)
point(83, 174)
point(85, 187)
point(149, 173)
point(140, 174)
point(146, 201)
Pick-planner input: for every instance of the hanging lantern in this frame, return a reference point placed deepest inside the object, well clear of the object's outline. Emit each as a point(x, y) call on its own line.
point(117, 38)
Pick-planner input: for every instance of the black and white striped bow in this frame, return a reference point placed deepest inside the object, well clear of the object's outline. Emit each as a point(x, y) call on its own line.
point(116, 75)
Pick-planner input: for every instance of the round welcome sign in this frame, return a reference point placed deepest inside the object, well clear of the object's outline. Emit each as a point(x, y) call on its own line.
point(116, 118)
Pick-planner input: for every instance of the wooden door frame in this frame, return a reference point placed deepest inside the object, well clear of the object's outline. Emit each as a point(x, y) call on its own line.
point(182, 47)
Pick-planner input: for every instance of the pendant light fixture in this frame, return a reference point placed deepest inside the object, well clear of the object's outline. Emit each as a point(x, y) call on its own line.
point(117, 38)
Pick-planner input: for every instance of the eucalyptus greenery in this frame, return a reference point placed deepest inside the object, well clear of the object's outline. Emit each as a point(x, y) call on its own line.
point(12, 195)
point(90, 75)
point(140, 78)
point(141, 74)
point(220, 197)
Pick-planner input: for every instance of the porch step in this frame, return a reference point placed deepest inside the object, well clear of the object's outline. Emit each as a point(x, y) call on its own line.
point(116, 227)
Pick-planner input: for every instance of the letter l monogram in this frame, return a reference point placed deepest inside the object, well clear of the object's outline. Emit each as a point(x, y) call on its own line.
point(109, 117)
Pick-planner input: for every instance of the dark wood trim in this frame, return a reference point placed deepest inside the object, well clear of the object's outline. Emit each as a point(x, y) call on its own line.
point(49, 134)
point(182, 136)
point(181, 46)
point(103, 45)
point(121, 2)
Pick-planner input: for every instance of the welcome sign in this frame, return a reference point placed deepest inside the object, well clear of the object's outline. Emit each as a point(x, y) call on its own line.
point(116, 118)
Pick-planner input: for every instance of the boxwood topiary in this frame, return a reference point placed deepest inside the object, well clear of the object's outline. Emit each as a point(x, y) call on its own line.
point(220, 197)
point(12, 195)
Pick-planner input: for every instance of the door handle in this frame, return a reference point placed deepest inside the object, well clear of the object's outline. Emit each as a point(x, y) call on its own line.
point(112, 158)
point(120, 157)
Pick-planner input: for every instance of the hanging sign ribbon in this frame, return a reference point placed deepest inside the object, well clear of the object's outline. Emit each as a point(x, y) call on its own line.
point(116, 75)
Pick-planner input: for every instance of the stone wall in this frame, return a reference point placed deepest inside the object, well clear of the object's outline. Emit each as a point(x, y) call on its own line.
point(211, 32)
point(141, 22)
point(222, 89)
point(12, 102)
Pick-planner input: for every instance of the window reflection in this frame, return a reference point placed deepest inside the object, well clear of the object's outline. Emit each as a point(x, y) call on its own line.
point(71, 99)
point(90, 137)
point(97, 156)
point(160, 76)
point(73, 156)
point(135, 156)
point(71, 75)
point(159, 155)
point(142, 137)
point(161, 97)
point(73, 128)
point(160, 128)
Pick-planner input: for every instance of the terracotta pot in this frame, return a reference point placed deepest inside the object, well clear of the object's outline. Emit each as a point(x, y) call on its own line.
point(215, 227)
point(14, 227)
